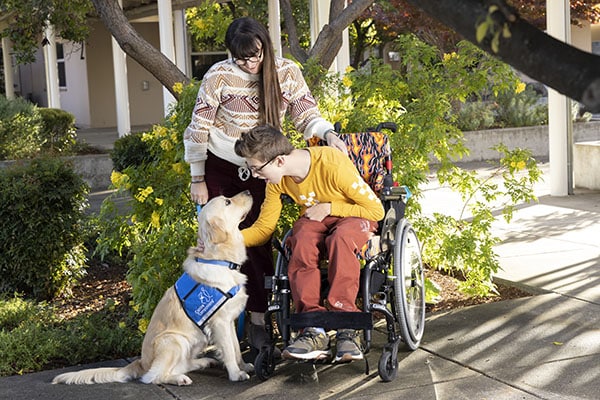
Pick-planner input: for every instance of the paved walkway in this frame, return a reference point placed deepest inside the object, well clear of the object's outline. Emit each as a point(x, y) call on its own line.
point(545, 346)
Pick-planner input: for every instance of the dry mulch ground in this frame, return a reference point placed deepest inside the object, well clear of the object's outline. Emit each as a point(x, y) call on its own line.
point(105, 281)
point(451, 298)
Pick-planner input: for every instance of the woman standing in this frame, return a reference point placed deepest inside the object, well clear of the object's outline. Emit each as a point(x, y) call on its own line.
point(251, 88)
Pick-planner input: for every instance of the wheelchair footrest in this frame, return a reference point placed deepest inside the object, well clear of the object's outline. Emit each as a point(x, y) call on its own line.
point(332, 320)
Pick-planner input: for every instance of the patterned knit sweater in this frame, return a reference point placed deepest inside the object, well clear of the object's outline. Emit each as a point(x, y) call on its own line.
point(227, 106)
point(332, 178)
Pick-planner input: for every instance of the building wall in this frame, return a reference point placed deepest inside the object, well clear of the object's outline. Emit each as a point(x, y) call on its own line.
point(581, 36)
point(145, 105)
point(31, 81)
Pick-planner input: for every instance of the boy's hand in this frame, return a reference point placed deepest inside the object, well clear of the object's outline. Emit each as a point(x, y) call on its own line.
point(318, 212)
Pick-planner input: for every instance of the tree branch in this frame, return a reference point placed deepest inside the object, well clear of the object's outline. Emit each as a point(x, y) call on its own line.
point(566, 69)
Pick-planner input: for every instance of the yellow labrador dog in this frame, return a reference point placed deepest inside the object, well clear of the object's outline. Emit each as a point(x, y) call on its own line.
point(214, 287)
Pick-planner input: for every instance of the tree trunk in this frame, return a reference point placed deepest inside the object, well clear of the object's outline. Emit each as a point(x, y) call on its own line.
point(137, 47)
point(568, 70)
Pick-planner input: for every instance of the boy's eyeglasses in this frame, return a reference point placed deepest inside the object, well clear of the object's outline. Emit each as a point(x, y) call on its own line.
point(255, 170)
point(253, 60)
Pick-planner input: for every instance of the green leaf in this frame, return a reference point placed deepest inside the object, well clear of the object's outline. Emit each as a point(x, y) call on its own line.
point(496, 42)
point(481, 31)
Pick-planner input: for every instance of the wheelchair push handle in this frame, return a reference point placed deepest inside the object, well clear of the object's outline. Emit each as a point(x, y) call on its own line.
point(387, 125)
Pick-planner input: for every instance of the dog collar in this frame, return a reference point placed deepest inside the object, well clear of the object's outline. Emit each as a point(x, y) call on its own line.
point(222, 263)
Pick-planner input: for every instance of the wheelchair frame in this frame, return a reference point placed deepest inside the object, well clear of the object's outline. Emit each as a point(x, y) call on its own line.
point(392, 285)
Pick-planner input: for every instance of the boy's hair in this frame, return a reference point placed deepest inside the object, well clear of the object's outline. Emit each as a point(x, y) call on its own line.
point(263, 143)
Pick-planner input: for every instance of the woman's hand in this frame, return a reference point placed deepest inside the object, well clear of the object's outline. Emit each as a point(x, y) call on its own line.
point(334, 141)
point(199, 192)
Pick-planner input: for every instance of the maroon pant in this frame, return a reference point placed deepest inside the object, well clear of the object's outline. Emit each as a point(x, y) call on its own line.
point(338, 240)
point(222, 179)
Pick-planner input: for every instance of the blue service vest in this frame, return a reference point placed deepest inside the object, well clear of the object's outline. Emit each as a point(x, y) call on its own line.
point(201, 301)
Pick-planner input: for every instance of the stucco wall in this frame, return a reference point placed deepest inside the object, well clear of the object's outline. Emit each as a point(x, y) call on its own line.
point(534, 138)
point(145, 105)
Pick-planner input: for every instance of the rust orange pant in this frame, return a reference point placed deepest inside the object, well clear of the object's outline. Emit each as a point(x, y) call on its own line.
point(338, 240)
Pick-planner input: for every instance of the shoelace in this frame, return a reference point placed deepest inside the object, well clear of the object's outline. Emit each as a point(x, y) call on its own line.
point(309, 335)
point(346, 336)
point(351, 336)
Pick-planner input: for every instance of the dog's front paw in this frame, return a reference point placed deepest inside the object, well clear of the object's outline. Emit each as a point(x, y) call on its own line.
point(183, 380)
point(238, 376)
point(248, 367)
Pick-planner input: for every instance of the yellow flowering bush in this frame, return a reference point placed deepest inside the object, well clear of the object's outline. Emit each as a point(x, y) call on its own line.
point(143, 193)
point(419, 97)
point(161, 223)
point(178, 87)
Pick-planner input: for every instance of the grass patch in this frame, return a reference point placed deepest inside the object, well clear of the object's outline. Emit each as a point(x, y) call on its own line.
point(34, 338)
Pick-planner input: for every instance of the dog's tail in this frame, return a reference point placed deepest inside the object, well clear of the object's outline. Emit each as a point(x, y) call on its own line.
point(101, 375)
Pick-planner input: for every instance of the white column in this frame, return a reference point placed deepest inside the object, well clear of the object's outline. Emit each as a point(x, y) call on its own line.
point(121, 87)
point(180, 33)
point(274, 26)
point(9, 83)
point(560, 124)
point(51, 67)
point(165, 29)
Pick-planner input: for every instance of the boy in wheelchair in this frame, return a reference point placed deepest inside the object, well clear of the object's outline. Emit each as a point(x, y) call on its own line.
point(338, 216)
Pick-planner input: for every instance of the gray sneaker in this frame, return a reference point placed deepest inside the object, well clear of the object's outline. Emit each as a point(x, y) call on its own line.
point(347, 346)
point(309, 345)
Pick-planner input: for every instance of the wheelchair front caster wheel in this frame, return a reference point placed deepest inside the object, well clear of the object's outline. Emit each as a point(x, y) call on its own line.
point(264, 364)
point(388, 366)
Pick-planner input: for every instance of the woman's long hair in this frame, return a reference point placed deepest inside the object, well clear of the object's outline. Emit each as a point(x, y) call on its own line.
point(241, 40)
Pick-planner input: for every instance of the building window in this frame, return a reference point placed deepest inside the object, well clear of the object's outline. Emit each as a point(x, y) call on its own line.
point(60, 59)
point(201, 62)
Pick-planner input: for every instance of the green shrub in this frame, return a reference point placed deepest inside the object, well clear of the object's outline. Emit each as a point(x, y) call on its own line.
point(474, 116)
point(58, 130)
point(130, 151)
point(161, 224)
point(42, 206)
point(32, 337)
point(419, 98)
point(521, 109)
point(465, 246)
point(20, 125)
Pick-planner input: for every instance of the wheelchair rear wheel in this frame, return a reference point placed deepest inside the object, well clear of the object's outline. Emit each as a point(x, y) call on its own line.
point(409, 285)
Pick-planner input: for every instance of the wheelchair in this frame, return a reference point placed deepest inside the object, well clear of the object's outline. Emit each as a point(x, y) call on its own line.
point(392, 286)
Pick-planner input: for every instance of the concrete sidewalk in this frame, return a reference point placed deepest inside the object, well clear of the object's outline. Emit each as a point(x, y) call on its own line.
point(541, 347)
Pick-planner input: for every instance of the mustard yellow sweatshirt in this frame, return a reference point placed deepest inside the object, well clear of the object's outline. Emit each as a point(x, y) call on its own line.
point(332, 178)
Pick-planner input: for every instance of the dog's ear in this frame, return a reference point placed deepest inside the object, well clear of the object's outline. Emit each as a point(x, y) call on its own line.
point(212, 231)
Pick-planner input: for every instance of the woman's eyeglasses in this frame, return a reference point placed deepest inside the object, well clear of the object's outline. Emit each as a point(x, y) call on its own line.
point(252, 60)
